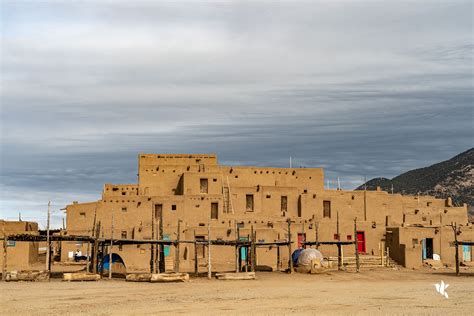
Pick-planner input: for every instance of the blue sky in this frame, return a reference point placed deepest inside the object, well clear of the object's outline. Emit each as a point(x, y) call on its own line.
point(361, 88)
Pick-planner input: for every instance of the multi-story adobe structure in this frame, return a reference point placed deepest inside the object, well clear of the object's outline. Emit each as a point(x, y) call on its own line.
point(195, 189)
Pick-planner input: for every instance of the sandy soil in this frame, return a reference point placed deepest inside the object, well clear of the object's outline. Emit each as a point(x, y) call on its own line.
point(369, 292)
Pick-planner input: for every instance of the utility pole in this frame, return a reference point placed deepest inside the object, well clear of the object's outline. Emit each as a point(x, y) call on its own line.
point(339, 250)
point(365, 198)
point(111, 245)
point(48, 241)
point(356, 243)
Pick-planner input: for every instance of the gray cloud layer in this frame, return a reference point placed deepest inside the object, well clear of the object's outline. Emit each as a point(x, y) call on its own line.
point(359, 88)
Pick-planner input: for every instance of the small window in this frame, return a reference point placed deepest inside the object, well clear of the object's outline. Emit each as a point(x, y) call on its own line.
point(173, 207)
point(349, 237)
point(82, 215)
point(124, 209)
point(336, 237)
point(214, 180)
point(204, 186)
point(327, 209)
point(214, 210)
point(414, 242)
point(124, 193)
point(124, 234)
point(268, 196)
point(249, 202)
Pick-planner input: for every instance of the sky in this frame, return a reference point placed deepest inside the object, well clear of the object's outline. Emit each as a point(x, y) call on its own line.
point(360, 88)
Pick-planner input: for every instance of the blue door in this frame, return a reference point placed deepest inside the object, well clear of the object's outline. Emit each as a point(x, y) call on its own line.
point(466, 253)
point(166, 248)
point(243, 250)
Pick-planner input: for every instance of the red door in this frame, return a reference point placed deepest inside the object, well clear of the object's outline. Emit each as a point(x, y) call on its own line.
point(301, 240)
point(361, 242)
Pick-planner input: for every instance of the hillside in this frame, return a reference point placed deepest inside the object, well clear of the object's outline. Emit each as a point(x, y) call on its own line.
point(453, 177)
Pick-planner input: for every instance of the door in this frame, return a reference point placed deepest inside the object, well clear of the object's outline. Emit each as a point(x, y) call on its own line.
point(466, 253)
point(361, 242)
point(427, 248)
point(301, 239)
point(243, 250)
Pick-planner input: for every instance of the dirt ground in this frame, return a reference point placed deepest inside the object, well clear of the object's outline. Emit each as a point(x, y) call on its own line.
point(369, 292)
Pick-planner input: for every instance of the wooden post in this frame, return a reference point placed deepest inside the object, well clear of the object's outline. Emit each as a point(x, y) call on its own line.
point(456, 244)
point(88, 257)
point(290, 260)
point(48, 241)
point(247, 254)
point(209, 267)
point(278, 255)
point(253, 250)
point(356, 246)
point(176, 267)
point(161, 246)
point(111, 245)
point(339, 250)
point(95, 250)
point(387, 257)
point(236, 248)
point(5, 245)
point(152, 245)
point(195, 256)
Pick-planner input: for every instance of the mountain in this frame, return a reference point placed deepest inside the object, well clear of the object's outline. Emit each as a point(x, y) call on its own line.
point(453, 177)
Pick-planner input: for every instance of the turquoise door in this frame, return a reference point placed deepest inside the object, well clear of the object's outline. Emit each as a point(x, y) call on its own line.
point(243, 250)
point(167, 248)
point(466, 253)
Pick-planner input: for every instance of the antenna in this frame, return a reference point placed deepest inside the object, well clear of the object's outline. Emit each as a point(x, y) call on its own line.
point(290, 161)
point(338, 184)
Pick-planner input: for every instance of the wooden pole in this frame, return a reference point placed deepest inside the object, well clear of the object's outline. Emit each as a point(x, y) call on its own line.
point(356, 246)
point(253, 250)
point(247, 254)
point(195, 256)
point(209, 267)
point(236, 248)
point(161, 246)
point(339, 250)
point(152, 245)
point(5, 245)
point(48, 241)
point(111, 245)
point(95, 249)
point(278, 255)
point(290, 260)
point(455, 229)
point(176, 267)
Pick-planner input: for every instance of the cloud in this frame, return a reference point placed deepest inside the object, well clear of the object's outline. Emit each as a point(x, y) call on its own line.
point(359, 88)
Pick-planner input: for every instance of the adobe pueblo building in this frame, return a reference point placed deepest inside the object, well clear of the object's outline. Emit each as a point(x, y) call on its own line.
point(196, 191)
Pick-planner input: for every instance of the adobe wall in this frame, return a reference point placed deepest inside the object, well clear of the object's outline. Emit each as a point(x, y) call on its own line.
point(20, 255)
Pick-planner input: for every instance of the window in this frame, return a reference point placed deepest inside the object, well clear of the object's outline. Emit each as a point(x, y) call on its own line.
point(349, 237)
point(124, 234)
point(269, 196)
point(82, 215)
point(158, 211)
point(203, 186)
point(124, 209)
point(284, 204)
point(327, 209)
point(249, 202)
point(173, 207)
point(214, 210)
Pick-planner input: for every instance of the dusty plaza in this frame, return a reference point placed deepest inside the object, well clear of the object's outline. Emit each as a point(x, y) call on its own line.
point(342, 293)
